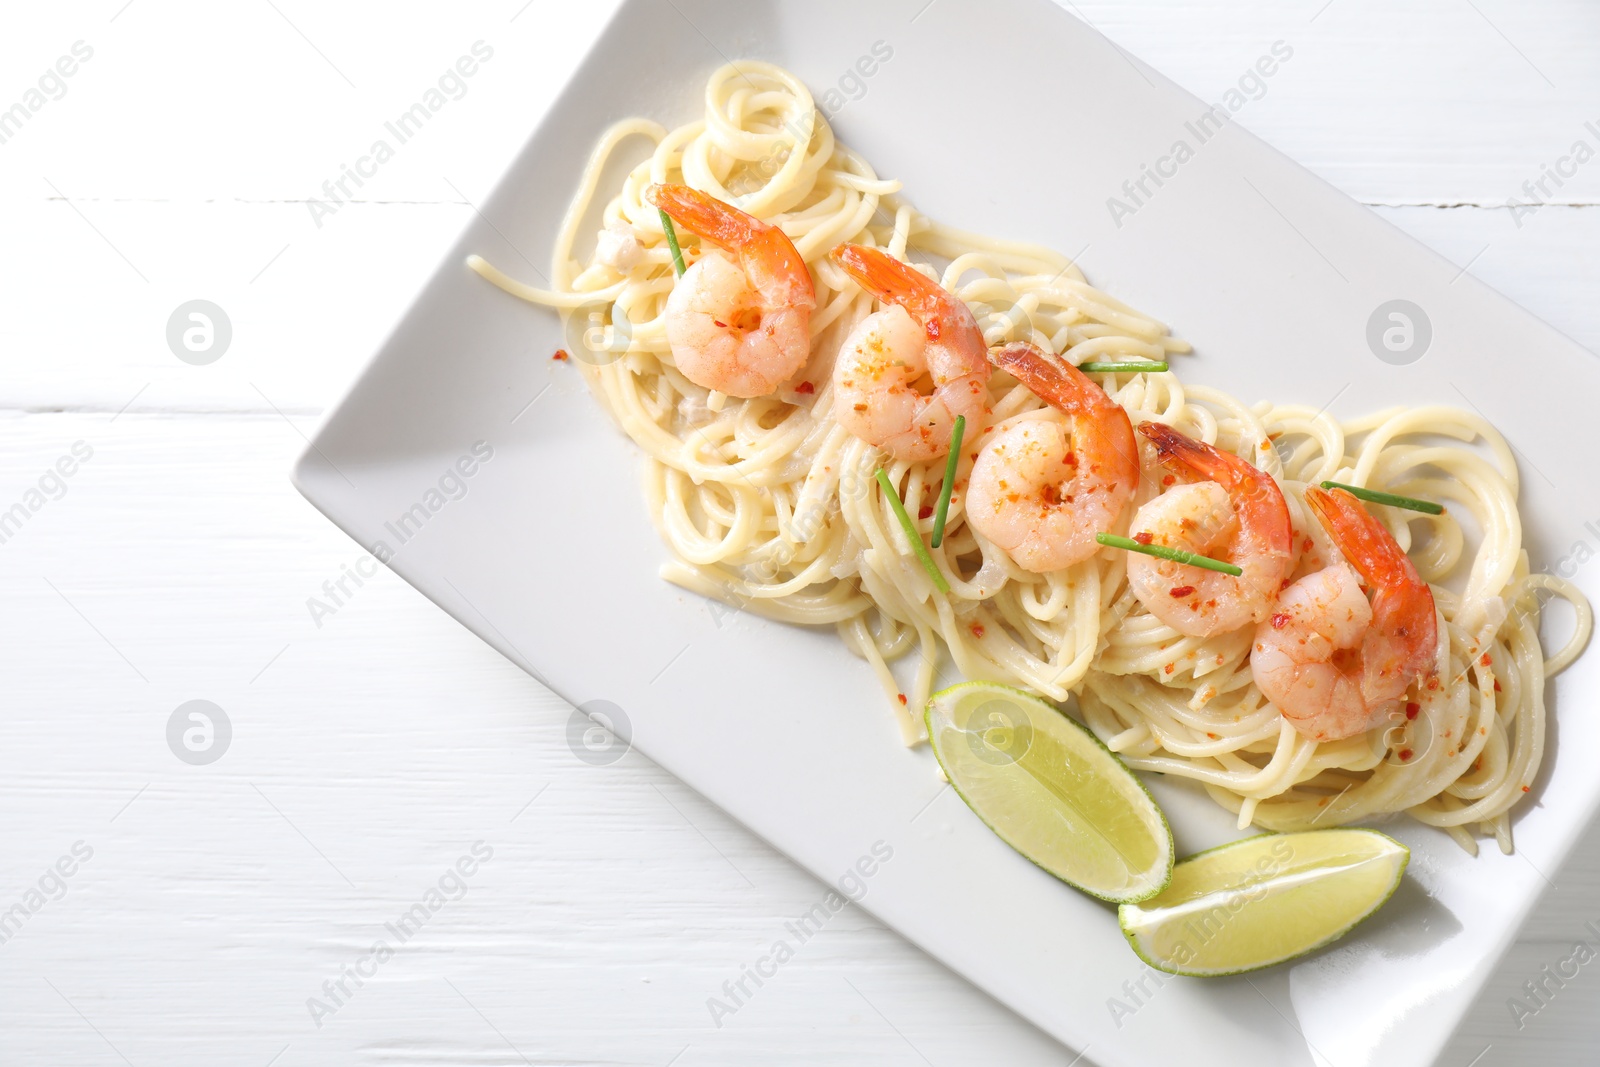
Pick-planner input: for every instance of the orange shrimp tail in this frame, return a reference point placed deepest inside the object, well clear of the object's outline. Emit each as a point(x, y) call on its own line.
point(1365, 541)
point(721, 224)
point(1184, 454)
point(1067, 389)
point(944, 317)
point(773, 264)
point(1053, 380)
point(892, 281)
point(1255, 494)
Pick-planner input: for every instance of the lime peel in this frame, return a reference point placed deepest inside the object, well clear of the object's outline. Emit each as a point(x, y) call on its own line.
point(1051, 790)
point(1264, 900)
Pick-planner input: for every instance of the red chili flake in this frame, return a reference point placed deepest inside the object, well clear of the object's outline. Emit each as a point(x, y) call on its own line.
point(1143, 537)
point(720, 325)
point(1168, 479)
point(1169, 668)
point(1413, 709)
point(924, 511)
point(560, 356)
point(1497, 685)
point(972, 455)
point(1524, 789)
point(805, 387)
point(977, 629)
point(861, 407)
point(902, 697)
point(1280, 620)
point(1211, 735)
point(1484, 662)
point(1305, 546)
point(1178, 592)
point(1070, 459)
point(1433, 683)
point(1405, 754)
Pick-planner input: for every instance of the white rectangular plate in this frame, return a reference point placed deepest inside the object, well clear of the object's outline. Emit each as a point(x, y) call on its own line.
point(1013, 120)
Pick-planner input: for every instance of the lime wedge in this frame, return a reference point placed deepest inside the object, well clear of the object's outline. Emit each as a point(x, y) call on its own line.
point(1051, 790)
point(1264, 900)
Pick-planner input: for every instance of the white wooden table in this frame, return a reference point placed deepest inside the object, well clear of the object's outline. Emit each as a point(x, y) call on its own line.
point(372, 747)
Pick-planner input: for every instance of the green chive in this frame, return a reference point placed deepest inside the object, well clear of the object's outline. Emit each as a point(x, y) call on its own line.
point(672, 243)
point(1409, 503)
point(1135, 367)
point(949, 480)
point(911, 532)
point(1177, 555)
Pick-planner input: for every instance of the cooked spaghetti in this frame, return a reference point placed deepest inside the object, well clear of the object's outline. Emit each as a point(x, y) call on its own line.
point(770, 504)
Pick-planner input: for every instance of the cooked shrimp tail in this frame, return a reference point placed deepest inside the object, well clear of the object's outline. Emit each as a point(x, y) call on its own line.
point(1067, 389)
point(722, 224)
point(1256, 498)
point(1178, 451)
point(769, 258)
point(942, 315)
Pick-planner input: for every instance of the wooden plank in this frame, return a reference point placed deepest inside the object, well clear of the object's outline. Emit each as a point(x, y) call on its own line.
point(307, 308)
point(1429, 102)
point(1435, 102)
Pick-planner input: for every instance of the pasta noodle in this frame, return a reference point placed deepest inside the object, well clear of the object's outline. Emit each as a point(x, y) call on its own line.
point(769, 505)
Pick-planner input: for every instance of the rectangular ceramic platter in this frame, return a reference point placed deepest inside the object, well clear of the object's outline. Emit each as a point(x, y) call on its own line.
point(1013, 120)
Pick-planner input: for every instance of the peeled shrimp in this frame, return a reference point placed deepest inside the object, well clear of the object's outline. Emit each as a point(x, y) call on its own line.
point(906, 372)
point(740, 325)
point(1332, 662)
point(1237, 515)
point(1042, 488)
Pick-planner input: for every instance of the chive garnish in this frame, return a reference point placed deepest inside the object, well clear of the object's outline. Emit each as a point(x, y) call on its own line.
point(949, 480)
point(1132, 367)
point(911, 532)
point(1177, 555)
point(1409, 503)
point(672, 243)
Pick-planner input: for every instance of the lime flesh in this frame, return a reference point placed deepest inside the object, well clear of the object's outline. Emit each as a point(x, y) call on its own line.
point(1049, 789)
point(1264, 900)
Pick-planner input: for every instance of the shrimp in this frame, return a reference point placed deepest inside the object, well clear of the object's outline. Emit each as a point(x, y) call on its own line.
point(906, 372)
point(1237, 514)
point(1332, 662)
point(1041, 489)
point(740, 325)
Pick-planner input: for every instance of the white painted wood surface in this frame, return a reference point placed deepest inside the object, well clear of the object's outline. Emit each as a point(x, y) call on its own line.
point(369, 753)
